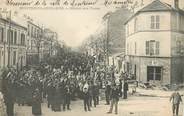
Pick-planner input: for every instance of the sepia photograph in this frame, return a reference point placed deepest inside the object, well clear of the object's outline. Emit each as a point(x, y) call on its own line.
point(91, 57)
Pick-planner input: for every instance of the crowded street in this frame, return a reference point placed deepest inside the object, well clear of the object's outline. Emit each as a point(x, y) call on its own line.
point(91, 57)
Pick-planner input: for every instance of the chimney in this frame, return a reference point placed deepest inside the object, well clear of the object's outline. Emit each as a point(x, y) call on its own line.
point(176, 4)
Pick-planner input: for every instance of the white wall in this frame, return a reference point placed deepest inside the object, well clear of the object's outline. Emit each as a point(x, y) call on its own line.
point(145, 33)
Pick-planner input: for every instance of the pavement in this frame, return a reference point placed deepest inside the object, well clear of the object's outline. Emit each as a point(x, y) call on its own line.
point(143, 103)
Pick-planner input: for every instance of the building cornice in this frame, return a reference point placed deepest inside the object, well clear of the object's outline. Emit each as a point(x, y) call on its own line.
point(6, 21)
point(176, 31)
point(34, 25)
point(147, 56)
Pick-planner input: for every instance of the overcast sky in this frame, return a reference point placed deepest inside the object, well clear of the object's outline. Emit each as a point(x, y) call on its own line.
point(72, 26)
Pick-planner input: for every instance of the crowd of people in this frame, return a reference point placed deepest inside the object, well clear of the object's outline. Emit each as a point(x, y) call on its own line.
point(59, 85)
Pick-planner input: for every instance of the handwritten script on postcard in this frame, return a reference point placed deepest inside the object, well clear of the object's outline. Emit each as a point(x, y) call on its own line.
point(65, 4)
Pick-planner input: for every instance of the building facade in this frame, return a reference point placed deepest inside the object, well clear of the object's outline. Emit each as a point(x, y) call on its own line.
point(34, 41)
point(155, 43)
point(49, 42)
point(12, 44)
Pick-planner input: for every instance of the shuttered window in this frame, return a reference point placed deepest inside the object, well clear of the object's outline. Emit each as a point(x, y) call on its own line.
point(152, 47)
point(147, 48)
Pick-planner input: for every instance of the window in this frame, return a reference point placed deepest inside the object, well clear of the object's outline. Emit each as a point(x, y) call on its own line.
point(31, 31)
point(154, 73)
point(28, 45)
point(152, 47)
point(14, 57)
point(152, 22)
point(35, 33)
point(157, 48)
point(180, 47)
point(11, 39)
point(1, 34)
point(31, 44)
point(15, 37)
point(28, 32)
point(147, 47)
point(10, 36)
point(155, 22)
point(22, 39)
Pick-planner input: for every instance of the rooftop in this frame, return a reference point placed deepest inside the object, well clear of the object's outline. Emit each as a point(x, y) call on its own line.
point(156, 6)
point(12, 22)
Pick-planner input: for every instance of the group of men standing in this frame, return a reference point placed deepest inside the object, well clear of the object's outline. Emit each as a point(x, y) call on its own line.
point(31, 88)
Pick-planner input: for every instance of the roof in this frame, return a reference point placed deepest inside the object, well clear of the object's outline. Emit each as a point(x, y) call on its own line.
point(156, 6)
point(32, 23)
point(13, 22)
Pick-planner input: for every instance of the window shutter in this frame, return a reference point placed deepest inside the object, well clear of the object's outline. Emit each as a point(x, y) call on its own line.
point(157, 22)
point(8, 36)
point(152, 22)
point(147, 48)
point(1, 34)
point(11, 36)
point(157, 48)
point(15, 37)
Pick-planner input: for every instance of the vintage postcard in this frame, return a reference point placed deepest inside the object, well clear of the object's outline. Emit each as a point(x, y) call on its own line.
point(91, 57)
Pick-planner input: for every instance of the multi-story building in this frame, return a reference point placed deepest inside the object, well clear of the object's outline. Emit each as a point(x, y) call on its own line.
point(49, 43)
point(155, 43)
point(12, 44)
point(40, 43)
point(34, 41)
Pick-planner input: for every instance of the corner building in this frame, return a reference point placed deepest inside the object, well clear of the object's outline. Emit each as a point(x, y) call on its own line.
point(155, 44)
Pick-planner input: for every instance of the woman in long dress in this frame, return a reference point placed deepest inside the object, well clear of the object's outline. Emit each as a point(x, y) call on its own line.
point(2, 106)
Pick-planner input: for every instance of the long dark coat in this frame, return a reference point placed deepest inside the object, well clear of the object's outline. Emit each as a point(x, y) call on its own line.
point(36, 104)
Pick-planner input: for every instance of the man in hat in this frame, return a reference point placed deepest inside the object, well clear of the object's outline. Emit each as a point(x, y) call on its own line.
point(67, 97)
point(175, 99)
point(125, 89)
point(36, 105)
point(114, 98)
point(86, 97)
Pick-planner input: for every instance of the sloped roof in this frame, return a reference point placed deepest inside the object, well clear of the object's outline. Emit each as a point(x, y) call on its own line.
point(13, 22)
point(156, 5)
